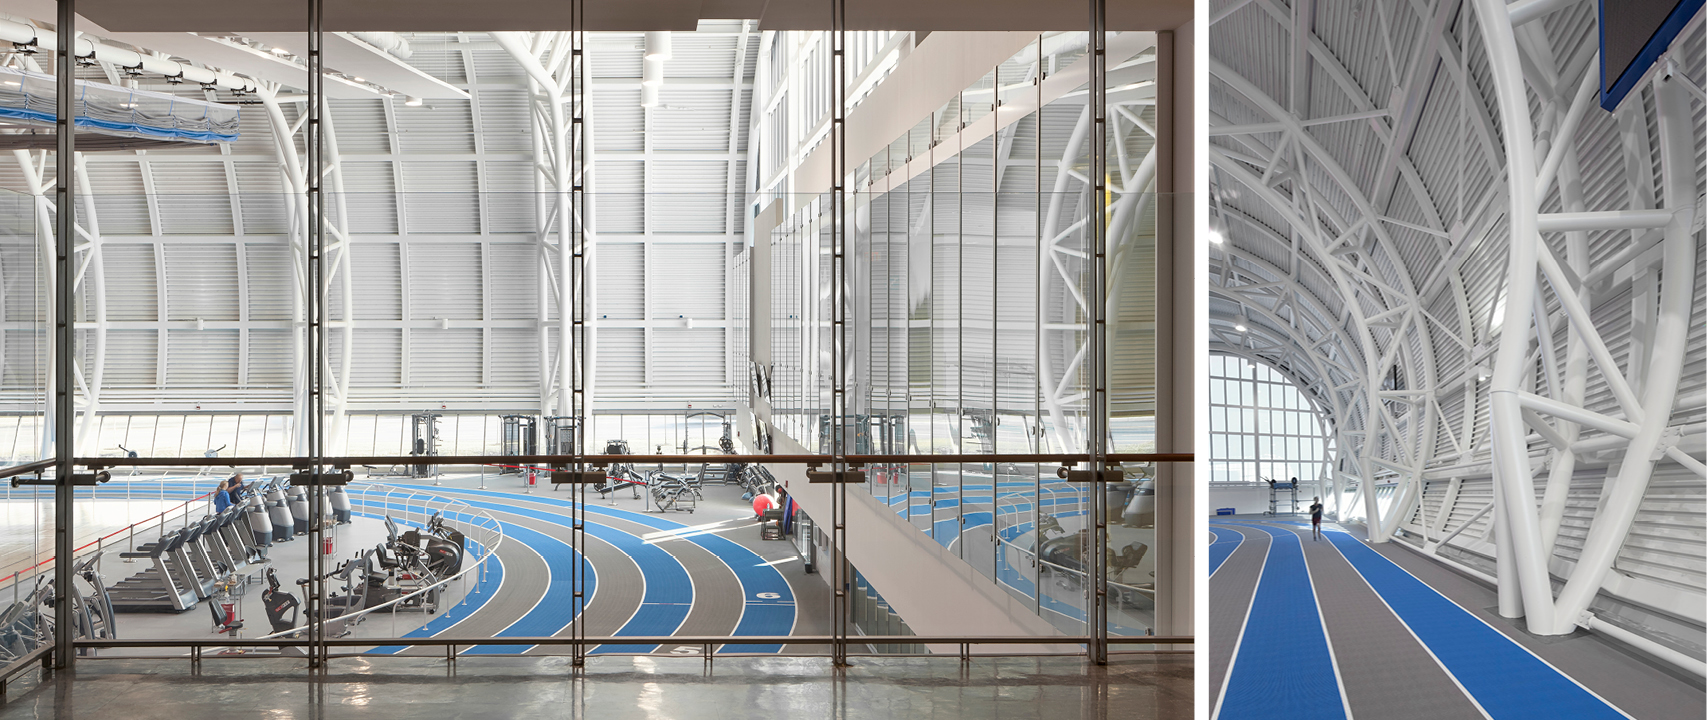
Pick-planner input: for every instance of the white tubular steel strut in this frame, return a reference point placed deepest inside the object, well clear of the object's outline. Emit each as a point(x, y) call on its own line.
point(1646, 397)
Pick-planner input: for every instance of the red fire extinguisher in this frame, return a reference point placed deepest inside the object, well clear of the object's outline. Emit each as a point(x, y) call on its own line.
point(530, 477)
point(327, 542)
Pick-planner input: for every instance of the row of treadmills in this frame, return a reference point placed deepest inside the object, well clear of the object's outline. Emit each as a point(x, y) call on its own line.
point(187, 563)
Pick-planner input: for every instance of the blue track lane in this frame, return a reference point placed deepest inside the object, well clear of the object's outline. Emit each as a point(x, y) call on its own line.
point(669, 591)
point(1282, 669)
point(769, 602)
point(1507, 680)
point(1221, 548)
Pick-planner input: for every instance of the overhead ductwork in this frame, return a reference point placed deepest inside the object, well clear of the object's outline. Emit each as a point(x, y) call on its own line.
point(111, 110)
point(390, 42)
point(26, 36)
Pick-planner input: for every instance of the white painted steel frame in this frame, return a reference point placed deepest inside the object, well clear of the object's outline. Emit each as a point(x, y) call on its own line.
point(1536, 383)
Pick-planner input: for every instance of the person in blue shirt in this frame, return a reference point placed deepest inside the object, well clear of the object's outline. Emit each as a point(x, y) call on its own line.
point(221, 497)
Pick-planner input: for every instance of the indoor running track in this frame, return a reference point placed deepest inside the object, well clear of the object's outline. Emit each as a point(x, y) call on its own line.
point(1395, 648)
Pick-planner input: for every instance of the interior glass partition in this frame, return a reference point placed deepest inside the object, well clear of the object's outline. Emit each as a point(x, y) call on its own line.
point(27, 525)
point(449, 292)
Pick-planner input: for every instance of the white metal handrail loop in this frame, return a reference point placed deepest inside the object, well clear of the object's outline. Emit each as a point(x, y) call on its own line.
point(489, 544)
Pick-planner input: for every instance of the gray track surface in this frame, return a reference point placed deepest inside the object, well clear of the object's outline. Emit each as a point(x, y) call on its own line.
point(1624, 677)
point(1385, 671)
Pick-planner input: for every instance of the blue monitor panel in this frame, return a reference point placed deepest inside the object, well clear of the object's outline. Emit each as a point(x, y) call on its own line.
point(1633, 35)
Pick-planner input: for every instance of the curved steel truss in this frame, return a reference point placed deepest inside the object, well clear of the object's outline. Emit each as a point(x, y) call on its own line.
point(1488, 281)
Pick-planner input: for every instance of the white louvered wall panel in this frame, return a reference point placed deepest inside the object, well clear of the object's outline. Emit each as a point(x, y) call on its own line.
point(445, 358)
point(201, 281)
point(440, 197)
point(269, 272)
point(201, 358)
point(132, 289)
point(262, 200)
point(686, 196)
point(120, 200)
point(692, 119)
point(618, 206)
point(370, 195)
point(444, 281)
point(378, 361)
point(379, 294)
point(687, 281)
point(678, 358)
point(360, 127)
point(621, 282)
point(437, 127)
point(515, 357)
point(269, 357)
point(512, 281)
point(133, 358)
point(192, 198)
point(621, 358)
point(510, 197)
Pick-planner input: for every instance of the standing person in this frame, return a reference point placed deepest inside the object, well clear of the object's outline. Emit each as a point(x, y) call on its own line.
point(1315, 518)
point(221, 498)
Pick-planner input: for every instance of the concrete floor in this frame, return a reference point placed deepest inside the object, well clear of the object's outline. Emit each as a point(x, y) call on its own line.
point(613, 688)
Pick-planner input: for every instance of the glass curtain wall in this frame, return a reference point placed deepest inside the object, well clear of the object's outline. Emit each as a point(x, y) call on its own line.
point(27, 526)
point(971, 246)
point(1262, 428)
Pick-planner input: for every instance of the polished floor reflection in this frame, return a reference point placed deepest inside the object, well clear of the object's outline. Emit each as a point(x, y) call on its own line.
point(611, 688)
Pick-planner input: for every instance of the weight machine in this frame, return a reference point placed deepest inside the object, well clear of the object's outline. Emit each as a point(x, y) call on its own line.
point(425, 427)
point(520, 437)
point(560, 432)
point(1277, 489)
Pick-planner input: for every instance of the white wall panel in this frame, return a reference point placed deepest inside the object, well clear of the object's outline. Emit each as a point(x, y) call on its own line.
point(378, 358)
point(192, 197)
point(445, 358)
point(120, 200)
point(510, 197)
point(618, 206)
point(132, 288)
point(441, 197)
point(687, 196)
point(133, 358)
point(379, 287)
point(201, 358)
point(621, 282)
point(201, 281)
point(621, 357)
point(268, 356)
point(687, 281)
point(370, 196)
point(438, 126)
point(515, 357)
point(512, 281)
point(268, 273)
point(444, 281)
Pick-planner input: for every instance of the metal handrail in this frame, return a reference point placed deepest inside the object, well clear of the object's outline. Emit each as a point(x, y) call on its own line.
point(99, 542)
point(28, 468)
point(643, 640)
point(673, 459)
point(42, 655)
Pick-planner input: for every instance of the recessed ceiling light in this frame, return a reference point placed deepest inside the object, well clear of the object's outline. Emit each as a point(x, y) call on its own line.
point(1239, 327)
point(1215, 237)
point(280, 51)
